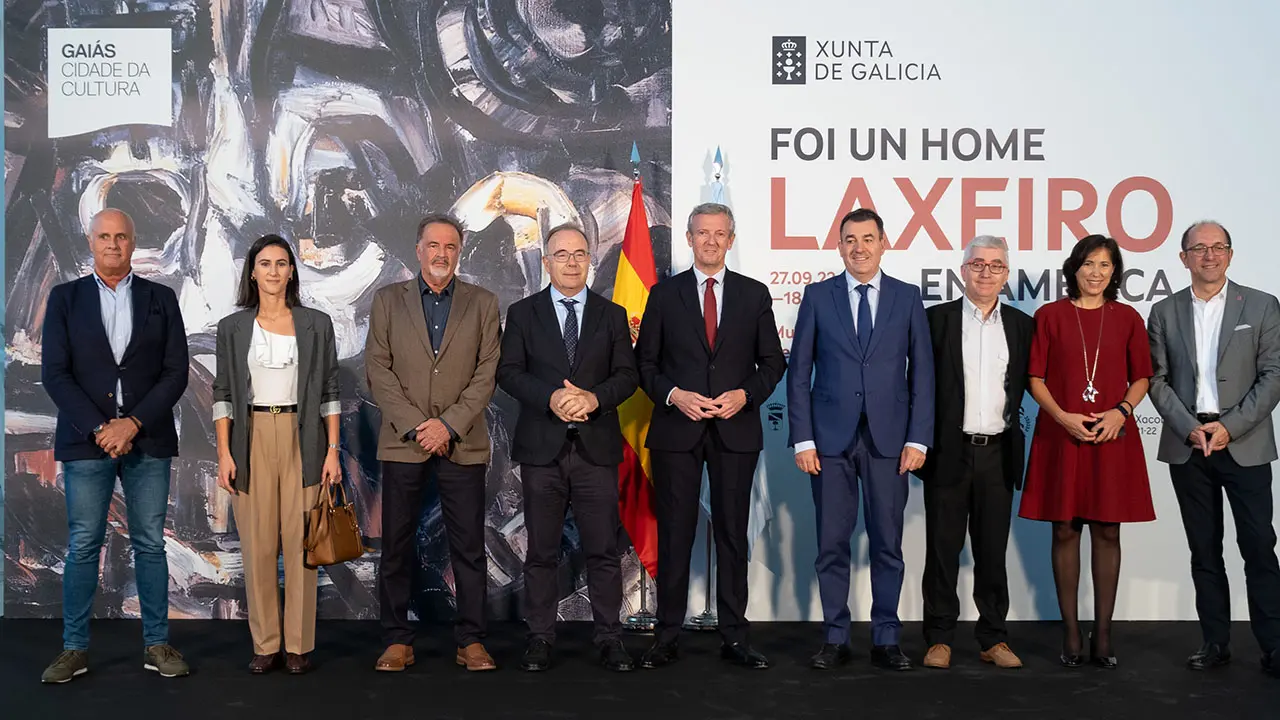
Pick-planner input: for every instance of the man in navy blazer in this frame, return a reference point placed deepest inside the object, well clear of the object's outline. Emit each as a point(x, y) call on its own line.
point(115, 364)
point(860, 397)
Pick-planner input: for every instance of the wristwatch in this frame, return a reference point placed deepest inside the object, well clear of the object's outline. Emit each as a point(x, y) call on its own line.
point(100, 428)
point(748, 394)
point(332, 446)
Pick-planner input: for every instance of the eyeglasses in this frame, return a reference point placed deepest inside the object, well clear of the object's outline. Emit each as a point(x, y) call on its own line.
point(1202, 250)
point(977, 266)
point(563, 256)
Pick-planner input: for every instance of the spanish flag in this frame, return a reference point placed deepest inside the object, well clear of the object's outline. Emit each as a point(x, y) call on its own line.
point(636, 274)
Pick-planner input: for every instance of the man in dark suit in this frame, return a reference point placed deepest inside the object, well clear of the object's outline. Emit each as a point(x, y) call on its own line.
point(115, 364)
point(860, 397)
point(1215, 348)
point(708, 354)
point(566, 356)
point(980, 352)
point(431, 356)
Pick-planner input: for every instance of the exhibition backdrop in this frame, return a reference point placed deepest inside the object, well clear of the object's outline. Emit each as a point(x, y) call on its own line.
point(338, 122)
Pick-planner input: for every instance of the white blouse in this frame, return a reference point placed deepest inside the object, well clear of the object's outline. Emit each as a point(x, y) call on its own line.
point(273, 368)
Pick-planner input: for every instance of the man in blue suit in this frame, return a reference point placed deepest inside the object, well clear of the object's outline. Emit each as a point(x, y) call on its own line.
point(115, 364)
point(860, 391)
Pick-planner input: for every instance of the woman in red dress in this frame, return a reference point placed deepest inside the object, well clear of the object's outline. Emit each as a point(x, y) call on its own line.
point(1090, 367)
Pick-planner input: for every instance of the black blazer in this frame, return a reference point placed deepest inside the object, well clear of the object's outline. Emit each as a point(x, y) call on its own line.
point(672, 352)
point(79, 370)
point(534, 364)
point(945, 325)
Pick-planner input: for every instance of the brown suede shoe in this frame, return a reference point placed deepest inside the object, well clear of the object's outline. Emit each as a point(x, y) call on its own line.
point(475, 658)
point(263, 664)
point(938, 657)
point(395, 658)
point(1002, 657)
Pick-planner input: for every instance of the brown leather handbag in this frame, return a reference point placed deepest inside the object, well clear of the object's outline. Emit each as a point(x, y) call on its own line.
point(333, 533)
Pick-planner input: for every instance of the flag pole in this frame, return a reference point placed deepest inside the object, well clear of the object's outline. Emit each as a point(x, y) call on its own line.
point(642, 620)
point(706, 620)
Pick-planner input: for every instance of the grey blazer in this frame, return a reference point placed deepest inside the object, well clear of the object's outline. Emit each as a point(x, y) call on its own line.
point(1248, 373)
point(317, 387)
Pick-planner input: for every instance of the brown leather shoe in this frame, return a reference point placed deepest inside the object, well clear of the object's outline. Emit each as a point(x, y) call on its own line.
point(1001, 656)
point(395, 658)
point(263, 664)
point(938, 657)
point(297, 664)
point(475, 658)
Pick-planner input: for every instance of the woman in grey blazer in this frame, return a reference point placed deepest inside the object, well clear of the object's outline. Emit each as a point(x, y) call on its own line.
point(276, 416)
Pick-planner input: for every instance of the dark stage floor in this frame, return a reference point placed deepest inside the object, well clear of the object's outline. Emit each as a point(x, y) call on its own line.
point(1151, 683)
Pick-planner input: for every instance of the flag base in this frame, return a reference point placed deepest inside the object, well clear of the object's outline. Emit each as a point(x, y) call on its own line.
point(705, 621)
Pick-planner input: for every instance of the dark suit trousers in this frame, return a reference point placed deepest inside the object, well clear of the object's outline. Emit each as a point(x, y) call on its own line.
point(592, 491)
point(1198, 484)
point(835, 498)
point(462, 500)
point(968, 490)
point(677, 483)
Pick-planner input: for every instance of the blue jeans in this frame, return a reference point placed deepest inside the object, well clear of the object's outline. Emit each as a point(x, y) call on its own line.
point(89, 485)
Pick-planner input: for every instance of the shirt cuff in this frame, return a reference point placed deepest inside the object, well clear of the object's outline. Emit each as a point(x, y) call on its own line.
point(456, 437)
point(923, 449)
point(330, 408)
point(673, 392)
point(806, 445)
point(221, 410)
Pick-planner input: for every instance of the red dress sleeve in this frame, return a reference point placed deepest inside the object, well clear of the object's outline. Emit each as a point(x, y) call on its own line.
point(1139, 349)
point(1038, 363)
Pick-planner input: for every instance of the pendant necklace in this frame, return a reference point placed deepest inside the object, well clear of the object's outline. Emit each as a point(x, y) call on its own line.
point(1090, 393)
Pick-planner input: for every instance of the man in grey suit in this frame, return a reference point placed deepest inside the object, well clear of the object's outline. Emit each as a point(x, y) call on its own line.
point(1215, 347)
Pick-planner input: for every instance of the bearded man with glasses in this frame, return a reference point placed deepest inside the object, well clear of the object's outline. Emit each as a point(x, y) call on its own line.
point(980, 353)
point(1215, 347)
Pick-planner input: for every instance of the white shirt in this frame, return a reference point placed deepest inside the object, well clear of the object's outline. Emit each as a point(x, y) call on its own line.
point(117, 321)
point(985, 355)
point(273, 368)
point(1208, 326)
point(718, 290)
point(701, 292)
point(855, 298)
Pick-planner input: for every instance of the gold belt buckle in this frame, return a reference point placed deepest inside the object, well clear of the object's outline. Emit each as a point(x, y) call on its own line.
point(275, 409)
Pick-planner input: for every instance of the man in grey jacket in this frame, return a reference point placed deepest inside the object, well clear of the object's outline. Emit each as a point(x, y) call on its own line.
point(1215, 347)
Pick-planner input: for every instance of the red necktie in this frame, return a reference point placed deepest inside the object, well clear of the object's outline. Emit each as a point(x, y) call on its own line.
point(709, 311)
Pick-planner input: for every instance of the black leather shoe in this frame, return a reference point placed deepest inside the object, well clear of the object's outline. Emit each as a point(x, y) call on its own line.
point(830, 656)
point(890, 657)
point(1107, 662)
point(537, 656)
point(1271, 663)
point(1210, 655)
point(741, 654)
point(660, 654)
point(1071, 660)
point(614, 656)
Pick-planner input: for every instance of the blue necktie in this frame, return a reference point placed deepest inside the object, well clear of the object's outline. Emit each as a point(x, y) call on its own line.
point(864, 317)
point(570, 329)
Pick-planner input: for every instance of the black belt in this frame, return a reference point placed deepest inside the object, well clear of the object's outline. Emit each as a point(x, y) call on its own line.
point(981, 440)
point(275, 409)
point(1208, 417)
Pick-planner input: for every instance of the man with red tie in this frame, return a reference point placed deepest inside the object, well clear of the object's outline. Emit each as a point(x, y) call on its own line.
point(708, 354)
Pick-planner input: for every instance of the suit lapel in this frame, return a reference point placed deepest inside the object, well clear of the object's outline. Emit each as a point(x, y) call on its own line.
point(884, 311)
point(728, 305)
point(688, 290)
point(413, 306)
point(1186, 327)
point(1230, 318)
point(591, 315)
point(305, 335)
point(140, 298)
point(458, 308)
point(840, 297)
point(545, 310)
point(955, 343)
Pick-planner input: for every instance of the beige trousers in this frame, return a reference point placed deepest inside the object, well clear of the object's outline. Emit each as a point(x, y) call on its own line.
point(269, 516)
